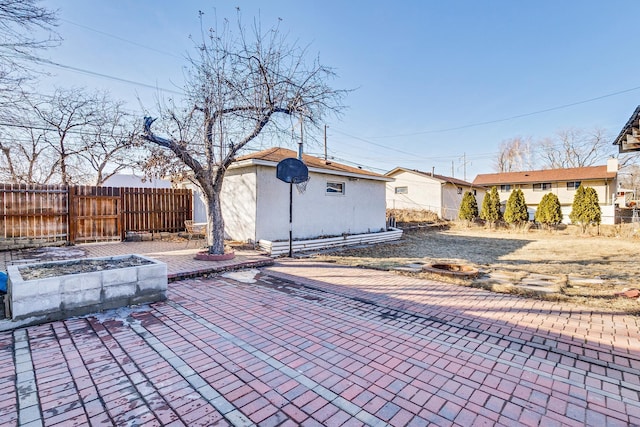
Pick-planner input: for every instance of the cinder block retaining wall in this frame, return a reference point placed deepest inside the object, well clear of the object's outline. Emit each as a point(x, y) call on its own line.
point(56, 298)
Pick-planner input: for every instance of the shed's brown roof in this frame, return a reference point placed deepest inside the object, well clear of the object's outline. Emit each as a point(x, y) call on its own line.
point(277, 154)
point(548, 175)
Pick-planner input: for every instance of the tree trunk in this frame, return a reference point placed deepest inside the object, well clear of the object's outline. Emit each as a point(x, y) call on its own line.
point(215, 239)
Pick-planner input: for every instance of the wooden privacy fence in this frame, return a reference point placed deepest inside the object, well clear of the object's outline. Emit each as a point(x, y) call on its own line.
point(76, 214)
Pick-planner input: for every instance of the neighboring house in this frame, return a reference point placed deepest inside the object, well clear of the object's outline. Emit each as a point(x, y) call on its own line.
point(134, 181)
point(629, 138)
point(413, 189)
point(562, 182)
point(338, 199)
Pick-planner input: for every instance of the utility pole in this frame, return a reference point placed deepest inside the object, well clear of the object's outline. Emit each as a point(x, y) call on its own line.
point(300, 143)
point(464, 166)
point(325, 143)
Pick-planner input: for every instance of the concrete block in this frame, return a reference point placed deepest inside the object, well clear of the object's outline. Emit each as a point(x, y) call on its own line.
point(81, 298)
point(152, 284)
point(152, 271)
point(119, 291)
point(80, 282)
point(119, 276)
point(29, 306)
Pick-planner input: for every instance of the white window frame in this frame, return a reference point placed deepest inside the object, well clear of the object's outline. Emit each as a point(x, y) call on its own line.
point(505, 188)
point(402, 190)
point(331, 191)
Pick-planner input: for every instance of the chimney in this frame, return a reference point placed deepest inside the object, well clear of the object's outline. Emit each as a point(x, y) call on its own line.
point(433, 170)
point(612, 165)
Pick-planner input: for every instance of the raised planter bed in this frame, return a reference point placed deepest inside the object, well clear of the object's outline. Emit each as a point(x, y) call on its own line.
point(114, 282)
point(282, 248)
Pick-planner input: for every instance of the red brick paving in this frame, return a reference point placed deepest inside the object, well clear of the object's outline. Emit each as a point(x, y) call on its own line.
point(319, 344)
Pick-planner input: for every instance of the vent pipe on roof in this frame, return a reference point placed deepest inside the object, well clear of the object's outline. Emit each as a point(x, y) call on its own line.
point(433, 170)
point(300, 143)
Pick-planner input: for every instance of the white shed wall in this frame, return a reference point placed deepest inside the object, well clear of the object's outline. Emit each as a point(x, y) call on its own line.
point(315, 213)
point(239, 204)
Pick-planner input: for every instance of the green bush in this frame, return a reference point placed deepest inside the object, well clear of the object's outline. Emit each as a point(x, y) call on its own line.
point(586, 208)
point(516, 209)
point(549, 211)
point(468, 207)
point(491, 207)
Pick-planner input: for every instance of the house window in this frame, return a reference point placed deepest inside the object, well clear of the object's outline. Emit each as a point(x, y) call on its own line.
point(402, 190)
point(505, 187)
point(335, 187)
point(543, 186)
point(459, 190)
point(573, 185)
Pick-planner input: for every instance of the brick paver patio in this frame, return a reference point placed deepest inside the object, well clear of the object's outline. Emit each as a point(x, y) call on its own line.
point(307, 343)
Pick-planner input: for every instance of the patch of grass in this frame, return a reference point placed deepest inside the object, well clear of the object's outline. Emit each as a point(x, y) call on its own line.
point(611, 259)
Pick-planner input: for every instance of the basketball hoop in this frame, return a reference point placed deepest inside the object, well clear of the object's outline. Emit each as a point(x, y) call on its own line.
point(301, 186)
point(292, 171)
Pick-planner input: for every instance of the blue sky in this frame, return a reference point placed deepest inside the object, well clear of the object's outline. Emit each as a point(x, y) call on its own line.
point(436, 82)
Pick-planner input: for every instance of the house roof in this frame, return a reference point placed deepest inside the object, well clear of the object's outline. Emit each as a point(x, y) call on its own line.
point(547, 175)
point(629, 137)
point(442, 178)
point(272, 156)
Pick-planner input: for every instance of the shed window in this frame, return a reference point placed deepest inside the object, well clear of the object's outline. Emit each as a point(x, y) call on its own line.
point(459, 190)
point(543, 186)
point(402, 190)
point(573, 185)
point(505, 187)
point(335, 187)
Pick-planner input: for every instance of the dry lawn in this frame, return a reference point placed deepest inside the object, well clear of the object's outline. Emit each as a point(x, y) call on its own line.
point(563, 253)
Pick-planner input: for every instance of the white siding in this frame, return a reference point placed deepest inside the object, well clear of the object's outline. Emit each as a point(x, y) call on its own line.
point(239, 204)
point(315, 213)
point(428, 193)
point(422, 193)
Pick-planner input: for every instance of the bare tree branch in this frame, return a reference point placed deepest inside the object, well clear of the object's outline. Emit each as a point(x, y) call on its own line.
point(238, 83)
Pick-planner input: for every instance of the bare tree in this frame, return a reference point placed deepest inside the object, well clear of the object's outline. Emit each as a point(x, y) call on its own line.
point(110, 142)
point(64, 118)
point(237, 86)
point(576, 148)
point(515, 155)
point(21, 24)
point(25, 158)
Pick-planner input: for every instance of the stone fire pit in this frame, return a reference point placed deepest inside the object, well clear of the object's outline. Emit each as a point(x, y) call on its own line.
point(61, 289)
point(452, 270)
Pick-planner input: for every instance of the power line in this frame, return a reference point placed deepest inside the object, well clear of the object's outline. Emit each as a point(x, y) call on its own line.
point(94, 73)
point(122, 39)
point(518, 116)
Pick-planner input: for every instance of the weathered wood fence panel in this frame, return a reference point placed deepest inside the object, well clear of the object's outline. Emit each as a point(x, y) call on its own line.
point(95, 214)
point(156, 209)
point(38, 213)
point(75, 214)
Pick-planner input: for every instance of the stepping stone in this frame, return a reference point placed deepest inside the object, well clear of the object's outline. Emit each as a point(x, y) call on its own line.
point(573, 280)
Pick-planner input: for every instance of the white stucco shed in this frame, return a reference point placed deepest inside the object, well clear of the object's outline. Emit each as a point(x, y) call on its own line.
point(339, 199)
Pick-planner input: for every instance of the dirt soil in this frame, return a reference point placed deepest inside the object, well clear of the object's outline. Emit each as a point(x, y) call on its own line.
point(613, 262)
point(42, 271)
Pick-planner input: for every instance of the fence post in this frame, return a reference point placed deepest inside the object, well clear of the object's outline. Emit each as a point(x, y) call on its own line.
point(121, 215)
point(72, 222)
